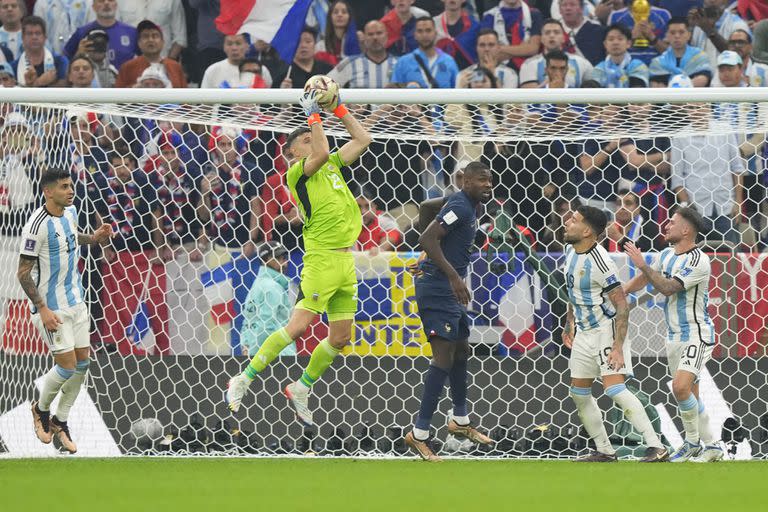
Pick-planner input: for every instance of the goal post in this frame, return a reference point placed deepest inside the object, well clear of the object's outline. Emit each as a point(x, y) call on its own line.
point(171, 315)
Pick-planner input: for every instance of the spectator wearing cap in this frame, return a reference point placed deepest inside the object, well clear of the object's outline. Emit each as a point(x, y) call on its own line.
point(226, 73)
point(106, 73)
point(7, 76)
point(63, 17)
point(209, 40)
point(81, 73)
point(680, 58)
point(151, 43)
point(267, 307)
point(11, 13)
point(153, 77)
point(37, 66)
point(122, 37)
point(167, 14)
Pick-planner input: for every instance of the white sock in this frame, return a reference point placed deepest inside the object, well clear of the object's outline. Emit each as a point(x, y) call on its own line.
point(461, 420)
point(52, 382)
point(592, 418)
point(419, 434)
point(71, 389)
point(634, 413)
point(689, 412)
point(705, 429)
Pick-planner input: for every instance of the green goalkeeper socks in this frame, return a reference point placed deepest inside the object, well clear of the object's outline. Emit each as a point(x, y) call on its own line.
point(321, 359)
point(272, 346)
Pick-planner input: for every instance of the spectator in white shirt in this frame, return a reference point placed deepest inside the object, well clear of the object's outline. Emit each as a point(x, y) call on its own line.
point(11, 12)
point(168, 14)
point(488, 57)
point(63, 17)
point(227, 71)
point(553, 38)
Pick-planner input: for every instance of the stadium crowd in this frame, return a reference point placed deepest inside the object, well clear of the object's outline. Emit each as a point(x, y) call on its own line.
point(167, 186)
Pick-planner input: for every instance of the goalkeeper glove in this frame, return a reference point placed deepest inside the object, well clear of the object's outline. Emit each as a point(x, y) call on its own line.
point(308, 102)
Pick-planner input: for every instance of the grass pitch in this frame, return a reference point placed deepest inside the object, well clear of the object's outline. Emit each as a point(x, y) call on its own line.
point(283, 485)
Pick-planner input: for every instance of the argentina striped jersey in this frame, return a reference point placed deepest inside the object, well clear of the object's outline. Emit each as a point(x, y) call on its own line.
point(686, 311)
point(53, 241)
point(589, 276)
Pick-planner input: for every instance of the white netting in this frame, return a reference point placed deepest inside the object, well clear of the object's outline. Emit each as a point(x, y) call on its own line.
point(169, 326)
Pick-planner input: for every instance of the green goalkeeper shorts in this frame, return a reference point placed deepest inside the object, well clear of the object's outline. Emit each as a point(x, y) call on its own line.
point(329, 284)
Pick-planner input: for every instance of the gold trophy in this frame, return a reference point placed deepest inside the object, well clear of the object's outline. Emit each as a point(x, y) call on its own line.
point(640, 10)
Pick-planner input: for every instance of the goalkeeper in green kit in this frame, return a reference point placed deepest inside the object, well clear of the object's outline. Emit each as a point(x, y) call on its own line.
point(332, 224)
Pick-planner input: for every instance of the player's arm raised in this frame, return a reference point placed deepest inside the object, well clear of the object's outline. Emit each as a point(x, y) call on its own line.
point(361, 139)
point(319, 142)
point(430, 242)
point(664, 285)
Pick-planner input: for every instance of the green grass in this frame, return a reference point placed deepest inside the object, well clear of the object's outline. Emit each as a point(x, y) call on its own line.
point(167, 485)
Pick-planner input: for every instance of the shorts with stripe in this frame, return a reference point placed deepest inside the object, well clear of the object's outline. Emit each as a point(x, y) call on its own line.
point(689, 356)
point(589, 355)
point(73, 331)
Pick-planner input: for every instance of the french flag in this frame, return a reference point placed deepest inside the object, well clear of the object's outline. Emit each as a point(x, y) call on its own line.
point(220, 293)
point(278, 21)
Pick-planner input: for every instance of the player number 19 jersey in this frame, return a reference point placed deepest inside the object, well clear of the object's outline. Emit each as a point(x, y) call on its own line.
point(589, 277)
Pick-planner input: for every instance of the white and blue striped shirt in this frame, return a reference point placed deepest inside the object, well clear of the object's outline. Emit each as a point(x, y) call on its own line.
point(12, 41)
point(53, 241)
point(686, 311)
point(589, 276)
point(360, 72)
point(725, 26)
point(533, 70)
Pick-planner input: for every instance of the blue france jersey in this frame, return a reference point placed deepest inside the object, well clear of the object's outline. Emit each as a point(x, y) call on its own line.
point(459, 219)
point(53, 241)
point(589, 277)
point(686, 311)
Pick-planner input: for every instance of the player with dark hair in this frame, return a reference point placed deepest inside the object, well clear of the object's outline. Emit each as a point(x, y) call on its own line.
point(596, 332)
point(681, 273)
point(332, 224)
point(442, 297)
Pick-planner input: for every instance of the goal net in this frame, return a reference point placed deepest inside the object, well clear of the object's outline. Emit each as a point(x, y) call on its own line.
point(172, 318)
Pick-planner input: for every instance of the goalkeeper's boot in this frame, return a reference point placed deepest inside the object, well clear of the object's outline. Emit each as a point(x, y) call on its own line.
point(421, 448)
point(298, 398)
point(236, 389)
point(655, 455)
point(685, 452)
point(468, 432)
point(61, 431)
point(597, 456)
point(711, 453)
point(42, 421)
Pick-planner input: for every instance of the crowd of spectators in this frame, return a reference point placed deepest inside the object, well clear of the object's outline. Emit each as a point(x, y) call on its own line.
point(183, 196)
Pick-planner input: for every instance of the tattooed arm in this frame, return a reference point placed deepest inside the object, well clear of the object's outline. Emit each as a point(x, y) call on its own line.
point(621, 323)
point(24, 274)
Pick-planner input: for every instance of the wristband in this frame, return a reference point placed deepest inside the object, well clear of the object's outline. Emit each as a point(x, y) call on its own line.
point(340, 111)
point(314, 119)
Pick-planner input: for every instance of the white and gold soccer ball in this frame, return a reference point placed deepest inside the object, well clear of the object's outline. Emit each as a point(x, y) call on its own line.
point(327, 91)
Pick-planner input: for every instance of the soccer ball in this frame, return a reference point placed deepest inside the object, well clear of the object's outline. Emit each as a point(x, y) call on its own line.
point(327, 91)
point(147, 430)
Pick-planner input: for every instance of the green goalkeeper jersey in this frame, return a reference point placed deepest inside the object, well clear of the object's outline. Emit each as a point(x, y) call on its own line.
point(332, 218)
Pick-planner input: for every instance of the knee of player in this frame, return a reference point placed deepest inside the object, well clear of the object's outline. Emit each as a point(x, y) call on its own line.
point(339, 341)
